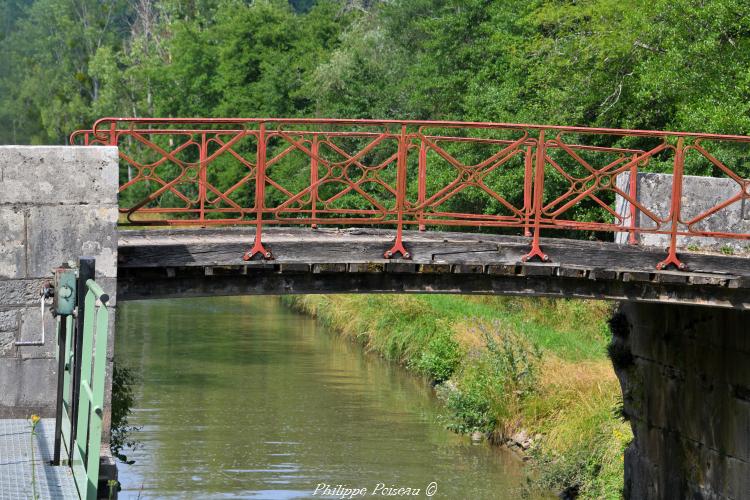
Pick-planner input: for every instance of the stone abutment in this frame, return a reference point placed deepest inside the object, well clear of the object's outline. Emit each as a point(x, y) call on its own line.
point(685, 377)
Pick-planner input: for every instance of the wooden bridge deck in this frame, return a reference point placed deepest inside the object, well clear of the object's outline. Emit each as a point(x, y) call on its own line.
point(198, 262)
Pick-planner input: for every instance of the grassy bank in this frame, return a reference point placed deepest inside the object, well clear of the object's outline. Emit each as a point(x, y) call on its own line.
point(526, 370)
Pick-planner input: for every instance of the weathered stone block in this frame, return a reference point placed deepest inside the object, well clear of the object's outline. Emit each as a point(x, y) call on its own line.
point(8, 331)
point(694, 407)
point(109, 285)
point(662, 464)
point(686, 398)
point(699, 194)
point(12, 242)
point(31, 331)
point(20, 292)
point(739, 473)
point(64, 233)
point(9, 320)
point(7, 343)
point(58, 175)
point(26, 386)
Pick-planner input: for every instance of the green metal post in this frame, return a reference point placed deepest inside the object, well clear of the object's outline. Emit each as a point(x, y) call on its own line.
point(80, 451)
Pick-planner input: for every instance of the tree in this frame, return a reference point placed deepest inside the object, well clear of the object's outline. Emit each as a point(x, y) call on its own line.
point(49, 91)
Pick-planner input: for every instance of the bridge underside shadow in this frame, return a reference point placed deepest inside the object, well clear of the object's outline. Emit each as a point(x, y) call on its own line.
point(166, 263)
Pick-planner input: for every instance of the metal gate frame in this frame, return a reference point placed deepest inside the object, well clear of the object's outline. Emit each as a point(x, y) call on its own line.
point(82, 338)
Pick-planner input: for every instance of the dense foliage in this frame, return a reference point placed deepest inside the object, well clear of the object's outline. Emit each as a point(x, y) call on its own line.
point(675, 64)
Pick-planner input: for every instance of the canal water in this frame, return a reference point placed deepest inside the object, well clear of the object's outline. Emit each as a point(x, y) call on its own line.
point(243, 398)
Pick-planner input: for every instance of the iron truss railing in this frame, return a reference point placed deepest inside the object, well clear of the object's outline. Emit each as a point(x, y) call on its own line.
point(266, 172)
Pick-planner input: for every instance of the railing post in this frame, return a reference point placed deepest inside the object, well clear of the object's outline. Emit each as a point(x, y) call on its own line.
point(398, 245)
point(202, 177)
point(113, 134)
point(528, 183)
point(676, 208)
point(260, 193)
point(86, 271)
point(61, 357)
point(82, 419)
point(66, 424)
point(99, 316)
point(422, 181)
point(541, 153)
point(314, 179)
point(633, 192)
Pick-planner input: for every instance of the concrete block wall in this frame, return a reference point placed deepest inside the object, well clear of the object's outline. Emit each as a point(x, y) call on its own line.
point(699, 194)
point(56, 204)
point(685, 377)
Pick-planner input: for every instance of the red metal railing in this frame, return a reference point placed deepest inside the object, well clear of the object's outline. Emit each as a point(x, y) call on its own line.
point(411, 173)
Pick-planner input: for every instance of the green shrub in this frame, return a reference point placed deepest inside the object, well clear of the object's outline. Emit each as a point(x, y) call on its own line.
point(440, 358)
point(469, 408)
point(493, 382)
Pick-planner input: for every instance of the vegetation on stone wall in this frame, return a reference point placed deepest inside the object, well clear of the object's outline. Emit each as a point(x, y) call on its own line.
point(122, 434)
point(530, 373)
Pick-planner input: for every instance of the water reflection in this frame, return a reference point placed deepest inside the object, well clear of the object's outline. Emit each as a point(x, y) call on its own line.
point(242, 398)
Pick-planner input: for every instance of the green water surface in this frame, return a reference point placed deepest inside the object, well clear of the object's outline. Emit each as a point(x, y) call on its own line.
point(242, 398)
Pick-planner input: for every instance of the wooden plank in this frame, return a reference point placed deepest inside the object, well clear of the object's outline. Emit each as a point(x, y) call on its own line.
point(738, 282)
point(671, 277)
point(294, 267)
point(538, 269)
point(503, 269)
point(589, 269)
point(451, 248)
point(400, 267)
point(468, 268)
point(367, 267)
point(708, 280)
point(145, 283)
point(338, 267)
point(600, 274)
point(638, 276)
point(434, 268)
point(573, 272)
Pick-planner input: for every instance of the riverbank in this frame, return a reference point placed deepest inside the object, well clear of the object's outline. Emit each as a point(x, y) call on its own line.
point(533, 373)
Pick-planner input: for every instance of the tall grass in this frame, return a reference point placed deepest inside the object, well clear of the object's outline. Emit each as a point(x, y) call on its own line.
point(505, 365)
